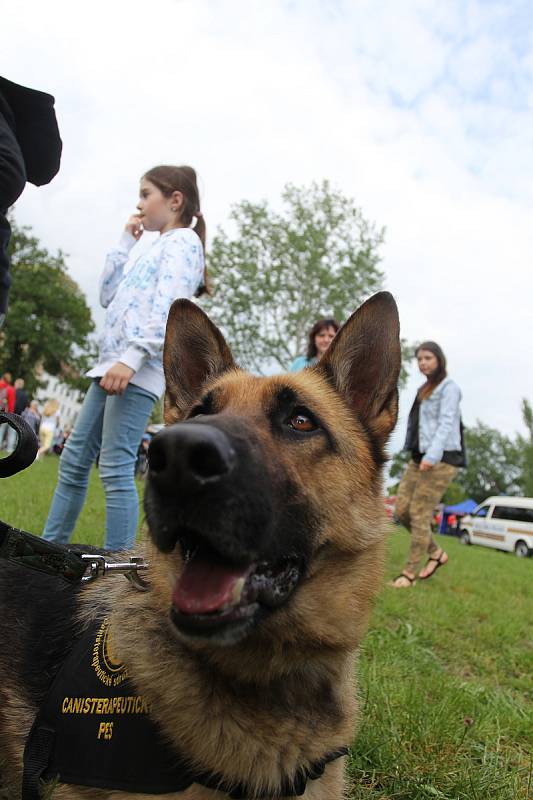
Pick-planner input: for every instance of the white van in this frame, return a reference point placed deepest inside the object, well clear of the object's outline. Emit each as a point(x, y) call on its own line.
point(505, 523)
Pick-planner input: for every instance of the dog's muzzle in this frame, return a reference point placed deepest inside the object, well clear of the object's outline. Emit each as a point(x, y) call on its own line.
point(209, 492)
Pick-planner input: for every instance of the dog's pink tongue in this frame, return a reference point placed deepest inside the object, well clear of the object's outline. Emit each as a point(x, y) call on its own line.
point(204, 587)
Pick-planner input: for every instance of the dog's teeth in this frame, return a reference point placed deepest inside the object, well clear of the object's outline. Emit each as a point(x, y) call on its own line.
point(236, 594)
point(237, 591)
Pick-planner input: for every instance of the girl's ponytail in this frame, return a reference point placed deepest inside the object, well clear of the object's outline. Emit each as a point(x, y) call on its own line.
point(200, 229)
point(169, 179)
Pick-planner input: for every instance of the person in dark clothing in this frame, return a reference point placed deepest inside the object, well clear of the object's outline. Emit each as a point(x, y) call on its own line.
point(30, 150)
point(22, 400)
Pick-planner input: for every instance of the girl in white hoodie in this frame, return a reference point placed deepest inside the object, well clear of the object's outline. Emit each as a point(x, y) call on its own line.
point(128, 377)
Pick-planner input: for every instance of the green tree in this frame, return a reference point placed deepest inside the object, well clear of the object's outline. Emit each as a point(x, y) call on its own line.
point(49, 321)
point(281, 271)
point(524, 445)
point(492, 463)
point(455, 493)
point(398, 465)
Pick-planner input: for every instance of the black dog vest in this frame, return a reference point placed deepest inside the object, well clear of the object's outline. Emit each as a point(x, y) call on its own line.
point(94, 730)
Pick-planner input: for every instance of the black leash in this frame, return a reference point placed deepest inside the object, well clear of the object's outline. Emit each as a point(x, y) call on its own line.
point(20, 547)
point(27, 445)
point(26, 550)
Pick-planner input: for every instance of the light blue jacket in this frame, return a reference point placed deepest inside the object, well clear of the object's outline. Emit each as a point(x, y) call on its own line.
point(138, 301)
point(439, 425)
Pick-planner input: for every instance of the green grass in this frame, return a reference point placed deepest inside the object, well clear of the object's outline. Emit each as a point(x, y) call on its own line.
point(25, 499)
point(446, 682)
point(446, 670)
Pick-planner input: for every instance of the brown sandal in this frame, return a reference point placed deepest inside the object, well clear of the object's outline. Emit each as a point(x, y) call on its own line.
point(438, 561)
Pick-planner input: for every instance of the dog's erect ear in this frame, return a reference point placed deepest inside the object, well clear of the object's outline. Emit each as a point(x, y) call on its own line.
point(194, 352)
point(363, 363)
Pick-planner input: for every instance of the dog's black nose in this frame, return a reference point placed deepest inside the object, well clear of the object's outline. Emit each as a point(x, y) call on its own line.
point(190, 455)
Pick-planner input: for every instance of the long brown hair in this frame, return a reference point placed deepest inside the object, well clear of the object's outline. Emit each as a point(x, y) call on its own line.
point(169, 179)
point(317, 327)
point(436, 377)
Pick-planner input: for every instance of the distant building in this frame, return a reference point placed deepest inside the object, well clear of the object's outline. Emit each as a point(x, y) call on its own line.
point(69, 399)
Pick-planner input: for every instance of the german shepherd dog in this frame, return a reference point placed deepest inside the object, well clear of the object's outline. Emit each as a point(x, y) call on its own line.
point(266, 546)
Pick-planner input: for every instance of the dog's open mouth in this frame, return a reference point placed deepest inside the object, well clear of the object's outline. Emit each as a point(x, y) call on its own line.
point(212, 593)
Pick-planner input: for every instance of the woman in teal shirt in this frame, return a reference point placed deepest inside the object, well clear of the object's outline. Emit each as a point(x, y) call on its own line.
point(320, 337)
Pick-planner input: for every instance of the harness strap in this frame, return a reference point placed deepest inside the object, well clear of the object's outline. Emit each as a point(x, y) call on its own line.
point(36, 757)
point(27, 550)
point(290, 787)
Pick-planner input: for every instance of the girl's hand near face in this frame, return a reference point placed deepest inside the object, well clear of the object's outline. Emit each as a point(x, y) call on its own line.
point(117, 378)
point(134, 226)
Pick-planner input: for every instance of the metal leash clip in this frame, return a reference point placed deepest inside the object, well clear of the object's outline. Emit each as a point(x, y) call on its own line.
point(98, 567)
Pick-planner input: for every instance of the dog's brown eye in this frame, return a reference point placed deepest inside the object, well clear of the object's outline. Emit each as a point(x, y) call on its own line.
point(301, 422)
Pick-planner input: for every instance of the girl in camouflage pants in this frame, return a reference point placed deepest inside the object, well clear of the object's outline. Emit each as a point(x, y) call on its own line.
point(435, 441)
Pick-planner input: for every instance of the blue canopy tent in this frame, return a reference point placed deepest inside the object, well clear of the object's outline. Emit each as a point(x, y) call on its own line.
point(459, 509)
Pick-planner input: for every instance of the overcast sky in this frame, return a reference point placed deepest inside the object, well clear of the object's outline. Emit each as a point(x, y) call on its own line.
point(420, 110)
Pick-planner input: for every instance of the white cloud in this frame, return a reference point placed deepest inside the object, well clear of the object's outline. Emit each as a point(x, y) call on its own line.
point(422, 114)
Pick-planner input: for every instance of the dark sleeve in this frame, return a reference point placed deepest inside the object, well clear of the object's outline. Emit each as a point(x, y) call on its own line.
point(12, 181)
point(12, 171)
point(37, 131)
point(411, 437)
point(21, 401)
point(5, 277)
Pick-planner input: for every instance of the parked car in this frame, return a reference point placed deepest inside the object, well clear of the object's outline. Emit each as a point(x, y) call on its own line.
point(504, 523)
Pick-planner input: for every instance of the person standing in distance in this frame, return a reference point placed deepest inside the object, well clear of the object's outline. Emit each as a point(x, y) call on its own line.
point(434, 438)
point(128, 377)
point(319, 339)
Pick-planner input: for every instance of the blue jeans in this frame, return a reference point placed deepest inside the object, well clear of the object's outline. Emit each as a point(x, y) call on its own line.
point(112, 425)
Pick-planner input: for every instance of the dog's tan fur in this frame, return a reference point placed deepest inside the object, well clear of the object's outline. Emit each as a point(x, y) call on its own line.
point(286, 694)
